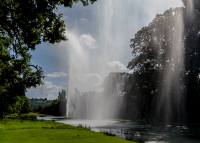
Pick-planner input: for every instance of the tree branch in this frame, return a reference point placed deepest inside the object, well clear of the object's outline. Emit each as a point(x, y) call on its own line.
point(34, 66)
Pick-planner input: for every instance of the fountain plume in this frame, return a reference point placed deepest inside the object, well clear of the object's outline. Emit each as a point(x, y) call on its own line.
point(114, 20)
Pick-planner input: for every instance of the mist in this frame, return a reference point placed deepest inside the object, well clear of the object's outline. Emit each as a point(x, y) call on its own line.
point(99, 43)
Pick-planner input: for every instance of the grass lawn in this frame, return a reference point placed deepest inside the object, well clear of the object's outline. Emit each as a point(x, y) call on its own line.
point(35, 131)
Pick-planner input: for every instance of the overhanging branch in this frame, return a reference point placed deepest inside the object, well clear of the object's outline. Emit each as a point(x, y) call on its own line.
point(36, 67)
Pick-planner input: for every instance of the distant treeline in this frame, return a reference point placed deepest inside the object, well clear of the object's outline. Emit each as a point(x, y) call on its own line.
point(35, 103)
point(38, 99)
point(55, 107)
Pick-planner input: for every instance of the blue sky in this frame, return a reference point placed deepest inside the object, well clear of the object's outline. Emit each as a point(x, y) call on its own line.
point(99, 38)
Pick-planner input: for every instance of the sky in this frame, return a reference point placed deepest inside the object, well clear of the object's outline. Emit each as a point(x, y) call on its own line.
point(99, 38)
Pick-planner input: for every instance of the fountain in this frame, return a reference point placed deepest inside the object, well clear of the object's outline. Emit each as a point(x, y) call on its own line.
point(94, 59)
point(83, 60)
point(171, 101)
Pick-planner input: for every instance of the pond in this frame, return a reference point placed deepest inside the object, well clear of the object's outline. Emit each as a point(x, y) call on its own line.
point(143, 133)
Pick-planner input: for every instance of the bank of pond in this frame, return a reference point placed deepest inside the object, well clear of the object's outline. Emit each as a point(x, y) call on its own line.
point(28, 129)
point(34, 127)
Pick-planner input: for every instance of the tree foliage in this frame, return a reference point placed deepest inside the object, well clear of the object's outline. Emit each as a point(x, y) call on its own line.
point(23, 25)
point(192, 56)
point(22, 105)
point(166, 54)
point(35, 103)
point(26, 108)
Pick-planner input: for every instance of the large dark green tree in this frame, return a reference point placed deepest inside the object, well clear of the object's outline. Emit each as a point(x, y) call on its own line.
point(192, 56)
point(154, 50)
point(155, 54)
point(23, 25)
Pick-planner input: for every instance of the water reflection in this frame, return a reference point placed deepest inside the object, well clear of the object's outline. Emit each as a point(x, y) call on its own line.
point(143, 133)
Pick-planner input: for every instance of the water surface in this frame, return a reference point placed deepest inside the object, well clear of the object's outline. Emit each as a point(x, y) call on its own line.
point(143, 133)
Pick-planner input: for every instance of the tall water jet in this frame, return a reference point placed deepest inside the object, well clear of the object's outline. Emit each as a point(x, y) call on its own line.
point(171, 102)
point(78, 60)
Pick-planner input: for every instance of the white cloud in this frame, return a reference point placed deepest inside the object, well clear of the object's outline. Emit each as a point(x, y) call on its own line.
point(57, 74)
point(51, 97)
point(83, 19)
point(48, 91)
point(131, 71)
point(89, 41)
point(116, 65)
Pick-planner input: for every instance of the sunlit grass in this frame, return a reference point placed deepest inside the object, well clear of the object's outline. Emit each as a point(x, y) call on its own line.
point(36, 131)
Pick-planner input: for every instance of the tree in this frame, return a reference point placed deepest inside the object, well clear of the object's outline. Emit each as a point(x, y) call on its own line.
point(158, 49)
point(23, 25)
point(62, 102)
point(26, 108)
point(169, 46)
point(153, 44)
point(22, 105)
point(62, 95)
point(192, 56)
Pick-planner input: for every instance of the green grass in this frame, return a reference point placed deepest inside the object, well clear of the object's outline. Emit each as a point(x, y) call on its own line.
point(28, 115)
point(35, 131)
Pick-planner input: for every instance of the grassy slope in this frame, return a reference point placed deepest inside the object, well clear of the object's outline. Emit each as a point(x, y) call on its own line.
point(17, 130)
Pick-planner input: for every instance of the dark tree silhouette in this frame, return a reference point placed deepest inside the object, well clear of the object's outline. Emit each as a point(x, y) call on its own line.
point(153, 49)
